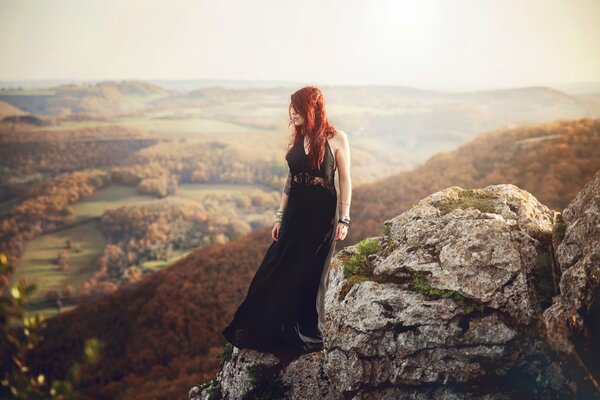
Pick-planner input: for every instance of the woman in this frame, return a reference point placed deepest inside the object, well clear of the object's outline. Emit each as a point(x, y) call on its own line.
point(283, 309)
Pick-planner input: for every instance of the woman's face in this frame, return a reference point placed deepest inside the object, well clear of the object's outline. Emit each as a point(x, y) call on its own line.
point(297, 118)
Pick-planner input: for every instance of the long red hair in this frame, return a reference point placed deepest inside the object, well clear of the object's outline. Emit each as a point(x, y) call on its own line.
point(309, 103)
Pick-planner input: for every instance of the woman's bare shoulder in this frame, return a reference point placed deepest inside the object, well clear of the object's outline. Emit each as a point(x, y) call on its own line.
point(339, 137)
point(338, 134)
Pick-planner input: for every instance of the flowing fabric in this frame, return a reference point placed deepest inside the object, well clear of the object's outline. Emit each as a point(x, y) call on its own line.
point(284, 306)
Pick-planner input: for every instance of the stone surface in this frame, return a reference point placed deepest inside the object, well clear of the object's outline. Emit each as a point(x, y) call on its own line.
point(305, 377)
point(388, 334)
point(454, 307)
point(573, 320)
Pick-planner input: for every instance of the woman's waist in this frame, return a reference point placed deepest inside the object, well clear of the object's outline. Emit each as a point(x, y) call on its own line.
point(311, 205)
point(312, 193)
point(304, 182)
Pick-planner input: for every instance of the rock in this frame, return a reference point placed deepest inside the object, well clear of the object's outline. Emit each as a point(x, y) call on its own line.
point(582, 219)
point(303, 378)
point(451, 303)
point(482, 258)
point(388, 334)
point(307, 379)
point(573, 320)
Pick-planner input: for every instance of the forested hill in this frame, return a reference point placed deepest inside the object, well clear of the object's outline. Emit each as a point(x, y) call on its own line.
point(162, 335)
point(552, 161)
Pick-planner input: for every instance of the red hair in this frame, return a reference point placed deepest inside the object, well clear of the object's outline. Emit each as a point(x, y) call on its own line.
point(309, 103)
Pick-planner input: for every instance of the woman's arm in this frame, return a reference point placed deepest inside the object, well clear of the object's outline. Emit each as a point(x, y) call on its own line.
point(343, 167)
point(286, 191)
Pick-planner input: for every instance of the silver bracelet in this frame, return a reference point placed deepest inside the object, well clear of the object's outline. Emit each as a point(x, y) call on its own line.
point(345, 220)
point(279, 215)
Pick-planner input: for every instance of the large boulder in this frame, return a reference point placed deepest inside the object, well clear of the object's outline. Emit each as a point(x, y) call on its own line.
point(447, 304)
point(452, 305)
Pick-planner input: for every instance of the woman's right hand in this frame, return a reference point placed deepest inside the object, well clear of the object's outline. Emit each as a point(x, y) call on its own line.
point(275, 231)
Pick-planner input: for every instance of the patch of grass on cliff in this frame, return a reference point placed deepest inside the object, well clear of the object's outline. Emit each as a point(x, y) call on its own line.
point(358, 263)
point(479, 199)
point(389, 245)
point(422, 286)
point(387, 229)
point(358, 269)
point(356, 266)
point(266, 383)
point(226, 351)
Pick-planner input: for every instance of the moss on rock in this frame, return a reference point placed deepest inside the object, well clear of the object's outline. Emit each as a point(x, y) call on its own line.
point(479, 199)
point(422, 286)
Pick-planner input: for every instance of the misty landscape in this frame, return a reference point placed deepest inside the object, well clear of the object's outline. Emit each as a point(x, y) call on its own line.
point(144, 171)
point(134, 176)
point(104, 185)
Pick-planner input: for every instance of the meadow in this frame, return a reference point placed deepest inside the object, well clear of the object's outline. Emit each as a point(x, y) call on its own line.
point(38, 262)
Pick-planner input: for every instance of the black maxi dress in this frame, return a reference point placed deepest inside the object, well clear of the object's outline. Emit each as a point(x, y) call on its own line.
point(284, 306)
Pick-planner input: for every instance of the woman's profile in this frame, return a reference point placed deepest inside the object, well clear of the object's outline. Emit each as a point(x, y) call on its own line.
point(283, 309)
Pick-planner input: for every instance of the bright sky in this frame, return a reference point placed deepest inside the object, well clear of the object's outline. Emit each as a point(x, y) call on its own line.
point(434, 44)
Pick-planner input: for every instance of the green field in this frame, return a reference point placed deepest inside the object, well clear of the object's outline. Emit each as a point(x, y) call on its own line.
point(190, 125)
point(37, 262)
point(159, 264)
point(117, 195)
point(111, 197)
point(196, 191)
point(37, 265)
point(163, 125)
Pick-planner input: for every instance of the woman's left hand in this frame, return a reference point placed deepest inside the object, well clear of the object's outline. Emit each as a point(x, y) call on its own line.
point(341, 231)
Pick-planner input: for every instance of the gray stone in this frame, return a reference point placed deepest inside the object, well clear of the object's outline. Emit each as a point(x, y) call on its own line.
point(575, 313)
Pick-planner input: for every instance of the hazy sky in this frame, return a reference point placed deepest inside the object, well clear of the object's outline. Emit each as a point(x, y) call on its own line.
point(437, 44)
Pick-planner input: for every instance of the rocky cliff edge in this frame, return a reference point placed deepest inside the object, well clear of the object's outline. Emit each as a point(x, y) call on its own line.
point(470, 294)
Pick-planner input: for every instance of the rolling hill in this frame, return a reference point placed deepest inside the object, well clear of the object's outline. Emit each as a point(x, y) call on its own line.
point(393, 128)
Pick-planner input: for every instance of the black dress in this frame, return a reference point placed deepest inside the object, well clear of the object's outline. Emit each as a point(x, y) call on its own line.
point(283, 309)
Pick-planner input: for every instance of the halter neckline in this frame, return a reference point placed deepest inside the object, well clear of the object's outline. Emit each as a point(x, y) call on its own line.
point(326, 145)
